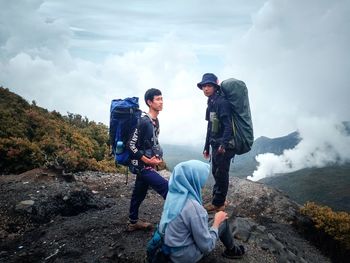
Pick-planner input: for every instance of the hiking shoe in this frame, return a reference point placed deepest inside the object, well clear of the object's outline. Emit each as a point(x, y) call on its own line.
point(139, 225)
point(235, 253)
point(213, 208)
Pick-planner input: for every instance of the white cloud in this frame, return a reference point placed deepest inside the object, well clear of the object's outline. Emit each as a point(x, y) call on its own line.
point(87, 88)
point(323, 143)
point(77, 57)
point(295, 61)
point(23, 30)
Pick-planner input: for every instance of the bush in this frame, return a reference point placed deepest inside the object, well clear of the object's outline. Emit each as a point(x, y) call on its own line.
point(329, 230)
point(335, 224)
point(19, 154)
point(31, 137)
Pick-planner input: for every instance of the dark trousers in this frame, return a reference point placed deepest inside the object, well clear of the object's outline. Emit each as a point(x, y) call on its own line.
point(220, 170)
point(225, 234)
point(145, 179)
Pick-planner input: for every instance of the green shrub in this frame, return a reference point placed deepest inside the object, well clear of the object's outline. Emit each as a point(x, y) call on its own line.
point(334, 224)
point(19, 154)
point(31, 137)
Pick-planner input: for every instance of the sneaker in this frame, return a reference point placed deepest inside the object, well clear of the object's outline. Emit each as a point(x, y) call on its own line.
point(139, 225)
point(235, 253)
point(213, 208)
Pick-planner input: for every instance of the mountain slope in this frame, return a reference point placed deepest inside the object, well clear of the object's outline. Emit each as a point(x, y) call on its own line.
point(85, 219)
point(244, 165)
point(327, 186)
point(31, 137)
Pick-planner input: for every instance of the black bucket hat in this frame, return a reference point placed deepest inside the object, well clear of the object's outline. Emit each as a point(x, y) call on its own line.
point(209, 78)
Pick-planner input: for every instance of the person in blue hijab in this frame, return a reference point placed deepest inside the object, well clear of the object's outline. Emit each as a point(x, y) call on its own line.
point(184, 222)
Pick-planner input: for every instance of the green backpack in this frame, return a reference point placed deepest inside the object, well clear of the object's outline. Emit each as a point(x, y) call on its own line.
point(236, 92)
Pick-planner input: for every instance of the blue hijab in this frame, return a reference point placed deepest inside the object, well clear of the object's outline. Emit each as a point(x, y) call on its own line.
point(186, 182)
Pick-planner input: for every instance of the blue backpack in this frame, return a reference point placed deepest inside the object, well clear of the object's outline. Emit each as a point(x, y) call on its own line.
point(124, 116)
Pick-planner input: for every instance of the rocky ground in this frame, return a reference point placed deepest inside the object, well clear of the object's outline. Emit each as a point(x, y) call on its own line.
point(48, 217)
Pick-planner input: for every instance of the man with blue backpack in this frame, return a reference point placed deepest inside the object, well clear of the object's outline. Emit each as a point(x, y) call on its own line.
point(146, 154)
point(229, 131)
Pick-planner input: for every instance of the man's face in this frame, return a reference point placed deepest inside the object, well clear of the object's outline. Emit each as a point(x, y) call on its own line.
point(157, 103)
point(208, 89)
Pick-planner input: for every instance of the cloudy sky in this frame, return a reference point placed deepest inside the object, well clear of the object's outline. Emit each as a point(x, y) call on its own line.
point(74, 56)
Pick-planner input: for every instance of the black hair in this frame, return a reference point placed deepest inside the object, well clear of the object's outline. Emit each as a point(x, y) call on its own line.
point(149, 95)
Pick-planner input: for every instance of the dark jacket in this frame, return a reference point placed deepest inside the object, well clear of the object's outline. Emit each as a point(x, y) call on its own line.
point(141, 141)
point(219, 129)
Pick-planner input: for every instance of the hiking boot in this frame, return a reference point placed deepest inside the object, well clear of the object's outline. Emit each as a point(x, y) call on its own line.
point(139, 225)
point(213, 208)
point(235, 253)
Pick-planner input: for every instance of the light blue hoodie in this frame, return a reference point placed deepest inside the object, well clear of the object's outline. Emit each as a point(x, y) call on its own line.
point(184, 219)
point(186, 182)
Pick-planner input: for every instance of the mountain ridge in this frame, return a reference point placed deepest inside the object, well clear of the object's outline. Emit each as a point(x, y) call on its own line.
point(326, 186)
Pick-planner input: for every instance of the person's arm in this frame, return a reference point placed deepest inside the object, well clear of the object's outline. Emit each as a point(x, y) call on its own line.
point(207, 143)
point(151, 161)
point(227, 130)
point(219, 217)
point(137, 137)
point(226, 122)
point(204, 237)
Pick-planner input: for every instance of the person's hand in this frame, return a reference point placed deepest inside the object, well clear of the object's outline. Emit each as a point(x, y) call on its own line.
point(221, 149)
point(219, 217)
point(154, 161)
point(206, 155)
point(151, 161)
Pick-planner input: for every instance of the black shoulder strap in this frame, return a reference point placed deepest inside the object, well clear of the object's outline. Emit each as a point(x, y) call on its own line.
point(154, 134)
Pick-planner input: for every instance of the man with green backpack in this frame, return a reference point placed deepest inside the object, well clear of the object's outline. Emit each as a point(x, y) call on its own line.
point(229, 131)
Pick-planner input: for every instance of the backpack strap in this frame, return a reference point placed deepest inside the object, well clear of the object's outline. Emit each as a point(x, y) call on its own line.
point(154, 134)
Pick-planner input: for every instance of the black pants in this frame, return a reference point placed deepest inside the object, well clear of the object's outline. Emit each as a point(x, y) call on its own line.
point(225, 234)
point(220, 169)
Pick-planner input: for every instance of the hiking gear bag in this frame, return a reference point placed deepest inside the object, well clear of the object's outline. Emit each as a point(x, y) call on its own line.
point(236, 92)
point(157, 251)
point(124, 116)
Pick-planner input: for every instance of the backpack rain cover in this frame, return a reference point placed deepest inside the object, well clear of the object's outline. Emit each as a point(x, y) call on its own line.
point(236, 92)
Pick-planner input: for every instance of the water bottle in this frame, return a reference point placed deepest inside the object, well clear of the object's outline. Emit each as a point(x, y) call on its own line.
point(215, 124)
point(119, 148)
